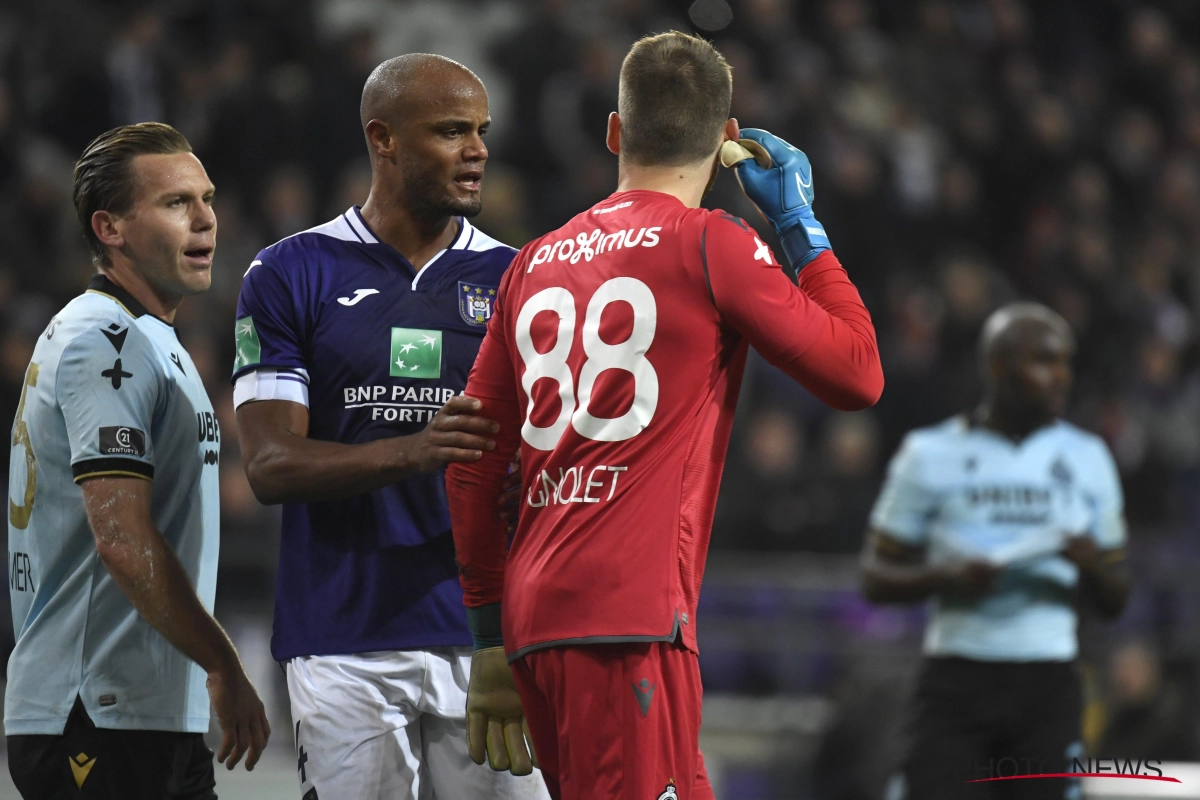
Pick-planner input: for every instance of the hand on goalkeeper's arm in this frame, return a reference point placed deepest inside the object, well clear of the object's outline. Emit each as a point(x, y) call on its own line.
point(496, 727)
point(783, 193)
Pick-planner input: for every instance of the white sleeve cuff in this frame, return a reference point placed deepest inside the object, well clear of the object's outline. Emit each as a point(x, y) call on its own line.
point(272, 384)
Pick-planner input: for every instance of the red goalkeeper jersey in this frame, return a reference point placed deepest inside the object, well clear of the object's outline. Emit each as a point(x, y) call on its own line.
point(613, 359)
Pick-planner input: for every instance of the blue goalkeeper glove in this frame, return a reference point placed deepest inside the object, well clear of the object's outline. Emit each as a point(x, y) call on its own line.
point(783, 192)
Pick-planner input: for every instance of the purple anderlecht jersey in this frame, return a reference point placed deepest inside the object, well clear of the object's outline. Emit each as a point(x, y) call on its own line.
point(374, 348)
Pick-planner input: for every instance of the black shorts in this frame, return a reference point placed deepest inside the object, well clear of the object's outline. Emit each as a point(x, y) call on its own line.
point(974, 720)
point(105, 764)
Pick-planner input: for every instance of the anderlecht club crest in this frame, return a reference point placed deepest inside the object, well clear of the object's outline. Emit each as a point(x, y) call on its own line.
point(476, 303)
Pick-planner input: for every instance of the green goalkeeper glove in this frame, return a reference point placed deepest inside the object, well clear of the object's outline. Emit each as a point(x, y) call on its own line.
point(496, 727)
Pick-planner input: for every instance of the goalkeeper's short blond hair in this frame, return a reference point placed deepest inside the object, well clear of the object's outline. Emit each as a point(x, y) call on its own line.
point(674, 100)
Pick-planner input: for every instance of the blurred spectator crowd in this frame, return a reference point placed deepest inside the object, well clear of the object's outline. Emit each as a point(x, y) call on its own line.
point(966, 152)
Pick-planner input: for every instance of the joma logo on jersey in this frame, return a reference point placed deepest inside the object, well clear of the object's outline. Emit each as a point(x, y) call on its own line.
point(475, 302)
point(416, 353)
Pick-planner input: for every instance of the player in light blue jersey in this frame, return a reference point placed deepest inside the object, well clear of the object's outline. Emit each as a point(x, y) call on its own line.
point(1005, 519)
point(355, 339)
point(113, 513)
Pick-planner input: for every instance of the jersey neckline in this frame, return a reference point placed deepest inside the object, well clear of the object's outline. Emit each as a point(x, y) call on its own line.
point(972, 423)
point(103, 285)
point(462, 240)
point(626, 192)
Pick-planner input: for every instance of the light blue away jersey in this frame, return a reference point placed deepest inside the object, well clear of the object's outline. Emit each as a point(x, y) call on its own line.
point(109, 391)
point(964, 491)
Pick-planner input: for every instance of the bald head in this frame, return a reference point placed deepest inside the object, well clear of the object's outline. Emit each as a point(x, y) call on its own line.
point(424, 118)
point(1026, 350)
point(1014, 325)
point(401, 84)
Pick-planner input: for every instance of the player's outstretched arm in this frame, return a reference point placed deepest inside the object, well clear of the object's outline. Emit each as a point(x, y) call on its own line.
point(284, 465)
point(895, 572)
point(149, 573)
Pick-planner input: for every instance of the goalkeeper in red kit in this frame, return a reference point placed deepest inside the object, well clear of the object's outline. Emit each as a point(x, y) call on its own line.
point(612, 361)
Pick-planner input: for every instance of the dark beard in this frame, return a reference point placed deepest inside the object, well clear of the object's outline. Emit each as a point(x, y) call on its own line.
point(427, 198)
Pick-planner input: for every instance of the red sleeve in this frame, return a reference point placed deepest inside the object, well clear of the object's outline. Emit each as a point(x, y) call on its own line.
point(480, 537)
point(819, 332)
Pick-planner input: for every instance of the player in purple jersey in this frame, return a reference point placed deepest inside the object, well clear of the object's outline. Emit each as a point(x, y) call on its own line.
point(354, 342)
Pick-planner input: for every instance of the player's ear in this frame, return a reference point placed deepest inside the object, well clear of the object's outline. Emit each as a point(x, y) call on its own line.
point(732, 131)
point(613, 137)
point(106, 226)
point(380, 139)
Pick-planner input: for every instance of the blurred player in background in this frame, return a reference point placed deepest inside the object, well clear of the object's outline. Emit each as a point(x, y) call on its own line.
point(613, 361)
point(353, 340)
point(114, 539)
point(1002, 517)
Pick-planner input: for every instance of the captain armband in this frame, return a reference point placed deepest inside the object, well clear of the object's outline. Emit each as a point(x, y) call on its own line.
point(272, 384)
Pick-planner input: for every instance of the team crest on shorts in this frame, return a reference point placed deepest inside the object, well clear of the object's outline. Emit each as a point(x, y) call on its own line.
point(669, 793)
point(475, 303)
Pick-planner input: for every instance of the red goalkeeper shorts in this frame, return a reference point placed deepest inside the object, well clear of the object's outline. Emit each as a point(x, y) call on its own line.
point(616, 721)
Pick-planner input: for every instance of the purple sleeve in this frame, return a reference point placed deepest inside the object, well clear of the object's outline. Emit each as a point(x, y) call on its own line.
point(270, 326)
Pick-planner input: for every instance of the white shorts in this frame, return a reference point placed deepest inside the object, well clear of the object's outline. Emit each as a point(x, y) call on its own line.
point(391, 725)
